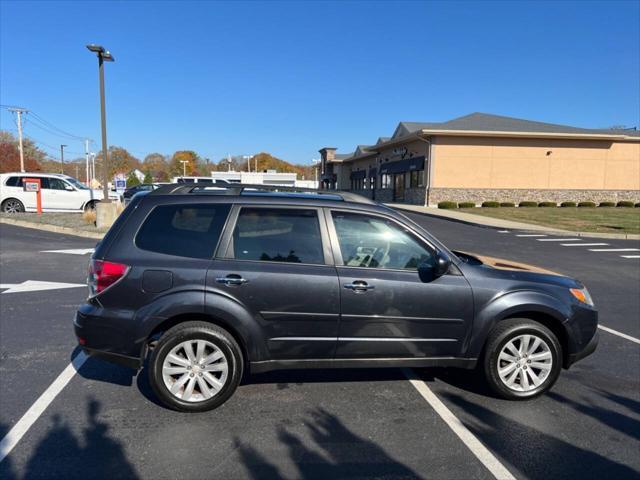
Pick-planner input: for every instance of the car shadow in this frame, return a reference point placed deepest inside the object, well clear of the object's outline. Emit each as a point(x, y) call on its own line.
point(100, 370)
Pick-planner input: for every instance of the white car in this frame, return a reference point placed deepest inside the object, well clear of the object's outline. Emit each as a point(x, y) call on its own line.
point(60, 193)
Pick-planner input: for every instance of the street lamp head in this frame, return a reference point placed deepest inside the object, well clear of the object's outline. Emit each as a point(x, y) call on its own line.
point(107, 57)
point(95, 48)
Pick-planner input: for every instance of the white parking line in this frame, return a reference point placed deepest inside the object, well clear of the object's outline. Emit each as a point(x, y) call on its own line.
point(583, 244)
point(558, 239)
point(18, 431)
point(620, 334)
point(497, 469)
point(630, 256)
point(503, 231)
point(531, 235)
point(614, 249)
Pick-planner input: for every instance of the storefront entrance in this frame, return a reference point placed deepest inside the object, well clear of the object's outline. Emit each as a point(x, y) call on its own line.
point(398, 187)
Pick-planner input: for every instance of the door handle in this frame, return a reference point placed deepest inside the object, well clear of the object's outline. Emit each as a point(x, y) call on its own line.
point(232, 280)
point(359, 286)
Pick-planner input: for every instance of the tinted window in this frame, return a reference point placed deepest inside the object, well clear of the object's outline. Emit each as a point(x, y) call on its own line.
point(183, 230)
point(56, 184)
point(377, 243)
point(14, 182)
point(278, 235)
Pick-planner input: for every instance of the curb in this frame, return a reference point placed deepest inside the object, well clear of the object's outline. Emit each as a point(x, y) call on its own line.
point(523, 226)
point(52, 228)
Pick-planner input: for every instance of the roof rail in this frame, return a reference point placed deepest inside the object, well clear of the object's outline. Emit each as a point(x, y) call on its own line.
point(223, 188)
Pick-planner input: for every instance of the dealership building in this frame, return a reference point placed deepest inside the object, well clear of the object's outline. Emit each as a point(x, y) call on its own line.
point(481, 157)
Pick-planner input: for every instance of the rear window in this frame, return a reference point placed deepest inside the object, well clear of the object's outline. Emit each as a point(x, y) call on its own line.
point(183, 230)
point(13, 182)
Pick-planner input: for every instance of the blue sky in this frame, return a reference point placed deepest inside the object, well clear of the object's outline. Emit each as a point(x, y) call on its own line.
point(289, 78)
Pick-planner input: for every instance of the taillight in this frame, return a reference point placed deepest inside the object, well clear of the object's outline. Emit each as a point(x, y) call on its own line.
point(103, 274)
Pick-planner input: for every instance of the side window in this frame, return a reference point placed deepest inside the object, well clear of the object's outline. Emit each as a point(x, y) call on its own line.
point(56, 184)
point(183, 230)
point(278, 235)
point(374, 242)
point(14, 182)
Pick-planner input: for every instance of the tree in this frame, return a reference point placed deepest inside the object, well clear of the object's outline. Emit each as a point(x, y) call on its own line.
point(10, 154)
point(132, 179)
point(177, 168)
point(120, 161)
point(147, 177)
point(156, 164)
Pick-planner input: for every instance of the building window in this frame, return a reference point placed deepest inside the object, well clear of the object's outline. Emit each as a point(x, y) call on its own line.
point(385, 180)
point(417, 179)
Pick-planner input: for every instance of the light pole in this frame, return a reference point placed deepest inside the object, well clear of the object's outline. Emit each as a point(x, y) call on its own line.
point(62, 158)
point(184, 168)
point(248, 159)
point(316, 163)
point(103, 56)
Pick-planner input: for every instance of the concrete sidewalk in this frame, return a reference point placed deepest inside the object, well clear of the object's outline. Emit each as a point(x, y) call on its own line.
point(481, 220)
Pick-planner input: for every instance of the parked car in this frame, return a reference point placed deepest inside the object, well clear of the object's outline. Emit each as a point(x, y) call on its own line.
point(208, 283)
point(60, 193)
point(144, 187)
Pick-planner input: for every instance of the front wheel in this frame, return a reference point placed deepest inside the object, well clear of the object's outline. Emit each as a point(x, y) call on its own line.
point(195, 367)
point(523, 359)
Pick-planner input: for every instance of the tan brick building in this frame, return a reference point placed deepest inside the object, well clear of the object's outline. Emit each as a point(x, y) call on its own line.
point(488, 157)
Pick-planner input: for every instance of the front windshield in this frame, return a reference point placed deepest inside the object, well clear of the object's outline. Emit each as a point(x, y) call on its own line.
point(76, 183)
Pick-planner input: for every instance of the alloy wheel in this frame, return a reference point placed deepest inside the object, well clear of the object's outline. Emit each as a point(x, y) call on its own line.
point(12, 206)
point(195, 370)
point(524, 363)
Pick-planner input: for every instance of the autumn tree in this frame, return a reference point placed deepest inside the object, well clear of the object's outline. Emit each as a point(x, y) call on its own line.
point(10, 154)
point(120, 162)
point(177, 168)
point(157, 166)
point(132, 179)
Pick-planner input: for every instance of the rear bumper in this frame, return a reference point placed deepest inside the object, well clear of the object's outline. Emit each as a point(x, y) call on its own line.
point(123, 360)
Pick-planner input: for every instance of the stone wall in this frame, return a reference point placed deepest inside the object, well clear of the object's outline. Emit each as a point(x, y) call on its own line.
point(517, 195)
point(415, 196)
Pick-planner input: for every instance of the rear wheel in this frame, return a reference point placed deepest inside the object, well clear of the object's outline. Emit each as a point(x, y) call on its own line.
point(12, 205)
point(523, 359)
point(90, 206)
point(196, 366)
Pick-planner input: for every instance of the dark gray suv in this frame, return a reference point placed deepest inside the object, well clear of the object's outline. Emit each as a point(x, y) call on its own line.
point(208, 283)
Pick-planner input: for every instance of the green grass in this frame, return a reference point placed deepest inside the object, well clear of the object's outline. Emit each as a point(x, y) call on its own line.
point(602, 220)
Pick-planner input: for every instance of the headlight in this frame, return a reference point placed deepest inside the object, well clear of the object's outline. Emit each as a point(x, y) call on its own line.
point(582, 295)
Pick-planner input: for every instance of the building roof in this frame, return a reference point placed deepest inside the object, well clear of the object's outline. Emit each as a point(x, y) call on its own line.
point(486, 122)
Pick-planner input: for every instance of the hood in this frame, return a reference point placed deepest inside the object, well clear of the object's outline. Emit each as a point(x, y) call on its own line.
point(517, 270)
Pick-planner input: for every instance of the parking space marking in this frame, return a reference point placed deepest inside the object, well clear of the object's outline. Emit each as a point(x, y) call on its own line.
point(531, 235)
point(18, 431)
point(630, 256)
point(558, 239)
point(488, 459)
point(614, 249)
point(584, 244)
point(503, 231)
point(620, 334)
point(36, 286)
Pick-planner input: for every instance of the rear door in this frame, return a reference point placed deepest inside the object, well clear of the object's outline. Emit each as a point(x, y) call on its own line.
point(386, 310)
point(277, 264)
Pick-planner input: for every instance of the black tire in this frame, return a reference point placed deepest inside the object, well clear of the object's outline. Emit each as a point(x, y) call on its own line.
point(90, 206)
point(508, 330)
point(12, 205)
point(214, 334)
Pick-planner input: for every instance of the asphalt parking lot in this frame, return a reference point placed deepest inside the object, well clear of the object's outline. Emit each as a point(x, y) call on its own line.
point(105, 422)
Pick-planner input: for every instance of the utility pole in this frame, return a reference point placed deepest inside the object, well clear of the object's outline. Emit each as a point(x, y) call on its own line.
point(184, 167)
point(19, 112)
point(62, 158)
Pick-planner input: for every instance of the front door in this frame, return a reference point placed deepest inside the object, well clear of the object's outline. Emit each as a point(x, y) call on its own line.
point(277, 266)
point(398, 187)
point(60, 195)
point(386, 310)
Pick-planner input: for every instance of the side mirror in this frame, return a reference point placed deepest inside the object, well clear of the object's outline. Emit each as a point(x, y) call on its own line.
point(435, 267)
point(69, 188)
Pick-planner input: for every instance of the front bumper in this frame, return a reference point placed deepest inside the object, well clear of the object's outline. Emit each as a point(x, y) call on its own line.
point(585, 352)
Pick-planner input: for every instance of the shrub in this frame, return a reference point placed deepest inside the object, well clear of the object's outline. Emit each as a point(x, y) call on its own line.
point(528, 204)
point(587, 204)
point(507, 204)
point(547, 204)
point(89, 216)
point(568, 204)
point(607, 204)
point(491, 204)
point(466, 205)
point(624, 203)
point(447, 205)
point(638, 205)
